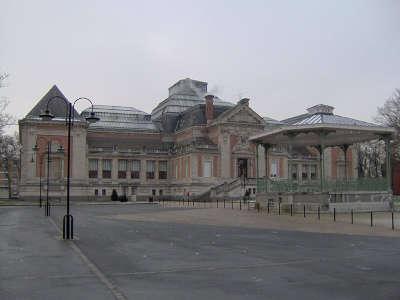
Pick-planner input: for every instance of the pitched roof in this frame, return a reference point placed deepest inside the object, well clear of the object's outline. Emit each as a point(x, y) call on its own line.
point(57, 107)
point(323, 114)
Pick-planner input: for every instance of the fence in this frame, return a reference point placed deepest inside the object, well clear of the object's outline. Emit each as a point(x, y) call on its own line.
point(389, 219)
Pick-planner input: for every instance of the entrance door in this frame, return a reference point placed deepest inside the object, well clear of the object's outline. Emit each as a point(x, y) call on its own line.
point(242, 167)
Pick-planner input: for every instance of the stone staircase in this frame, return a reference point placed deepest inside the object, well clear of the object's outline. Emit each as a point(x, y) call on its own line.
point(233, 189)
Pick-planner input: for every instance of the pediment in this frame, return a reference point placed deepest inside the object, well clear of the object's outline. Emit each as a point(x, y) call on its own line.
point(243, 116)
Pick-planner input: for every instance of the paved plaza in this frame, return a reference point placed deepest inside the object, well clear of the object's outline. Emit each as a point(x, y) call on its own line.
point(146, 251)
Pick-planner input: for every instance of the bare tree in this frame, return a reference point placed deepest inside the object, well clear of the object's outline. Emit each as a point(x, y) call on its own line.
point(389, 113)
point(5, 118)
point(371, 159)
point(9, 145)
point(9, 155)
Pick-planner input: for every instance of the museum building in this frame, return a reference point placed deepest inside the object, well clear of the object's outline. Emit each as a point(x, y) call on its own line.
point(192, 144)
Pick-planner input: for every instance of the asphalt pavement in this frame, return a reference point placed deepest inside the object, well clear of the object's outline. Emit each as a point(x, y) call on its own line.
point(124, 259)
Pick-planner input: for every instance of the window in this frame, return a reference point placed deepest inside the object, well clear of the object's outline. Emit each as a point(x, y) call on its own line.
point(162, 169)
point(150, 169)
point(93, 168)
point(96, 192)
point(103, 192)
point(304, 173)
point(122, 167)
point(186, 167)
point(153, 192)
point(133, 190)
point(160, 192)
point(274, 168)
point(135, 169)
point(313, 172)
point(107, 165)
point(207, 168)
point(294, 172)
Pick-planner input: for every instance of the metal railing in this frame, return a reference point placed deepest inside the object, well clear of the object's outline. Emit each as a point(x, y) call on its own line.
point(265, 185)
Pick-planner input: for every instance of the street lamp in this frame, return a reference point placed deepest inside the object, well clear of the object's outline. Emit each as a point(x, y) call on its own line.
point(68, 221)
point(36, 150)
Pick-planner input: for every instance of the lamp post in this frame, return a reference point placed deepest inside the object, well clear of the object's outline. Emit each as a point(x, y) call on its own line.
point(36, 150)
point(68, 221)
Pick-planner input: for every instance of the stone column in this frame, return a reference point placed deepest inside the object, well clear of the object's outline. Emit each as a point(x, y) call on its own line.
point(225, 155)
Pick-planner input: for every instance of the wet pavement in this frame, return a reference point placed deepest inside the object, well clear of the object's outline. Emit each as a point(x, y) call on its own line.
point(114, 258)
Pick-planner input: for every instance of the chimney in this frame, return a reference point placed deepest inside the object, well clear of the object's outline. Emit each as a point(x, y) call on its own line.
point(209, 108)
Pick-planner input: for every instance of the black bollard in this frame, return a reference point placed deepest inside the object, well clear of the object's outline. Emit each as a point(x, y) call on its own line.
point(392, 219)
point(240, 204)
point(372, 224)
point(47, 209)
point(304, 211)
point(334, 214)
point(268, 206)
point(232, 203)
point(319, 213)
point(279, 208)
point(291, 209)
point(352, 217)
point(224, 203)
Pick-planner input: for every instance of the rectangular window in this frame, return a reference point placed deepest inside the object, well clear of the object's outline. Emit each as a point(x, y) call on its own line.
point(313, 172)
point(107, 166)
point(135, 169)
point(160, 192)
point(150, 169)
point(162, 169)
point(294, 172)
point(96, 192)
point(207, 169)
point(122, 167)
point(274, 168)
point(93, 168)
point(103, 192)
point(186, 167)
point(304, 172)
point(133, 190)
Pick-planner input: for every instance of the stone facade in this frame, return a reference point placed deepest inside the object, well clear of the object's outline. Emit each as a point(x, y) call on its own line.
point(191, 142)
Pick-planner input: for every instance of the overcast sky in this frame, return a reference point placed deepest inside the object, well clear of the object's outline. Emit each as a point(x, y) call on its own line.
point(283, 55)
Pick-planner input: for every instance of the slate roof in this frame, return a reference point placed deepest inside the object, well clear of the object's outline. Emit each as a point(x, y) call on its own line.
point(120, 118)
point(196, 116)
point(57, 106)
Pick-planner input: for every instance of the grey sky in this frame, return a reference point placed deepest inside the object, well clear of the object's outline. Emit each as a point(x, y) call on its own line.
point(283, 55)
